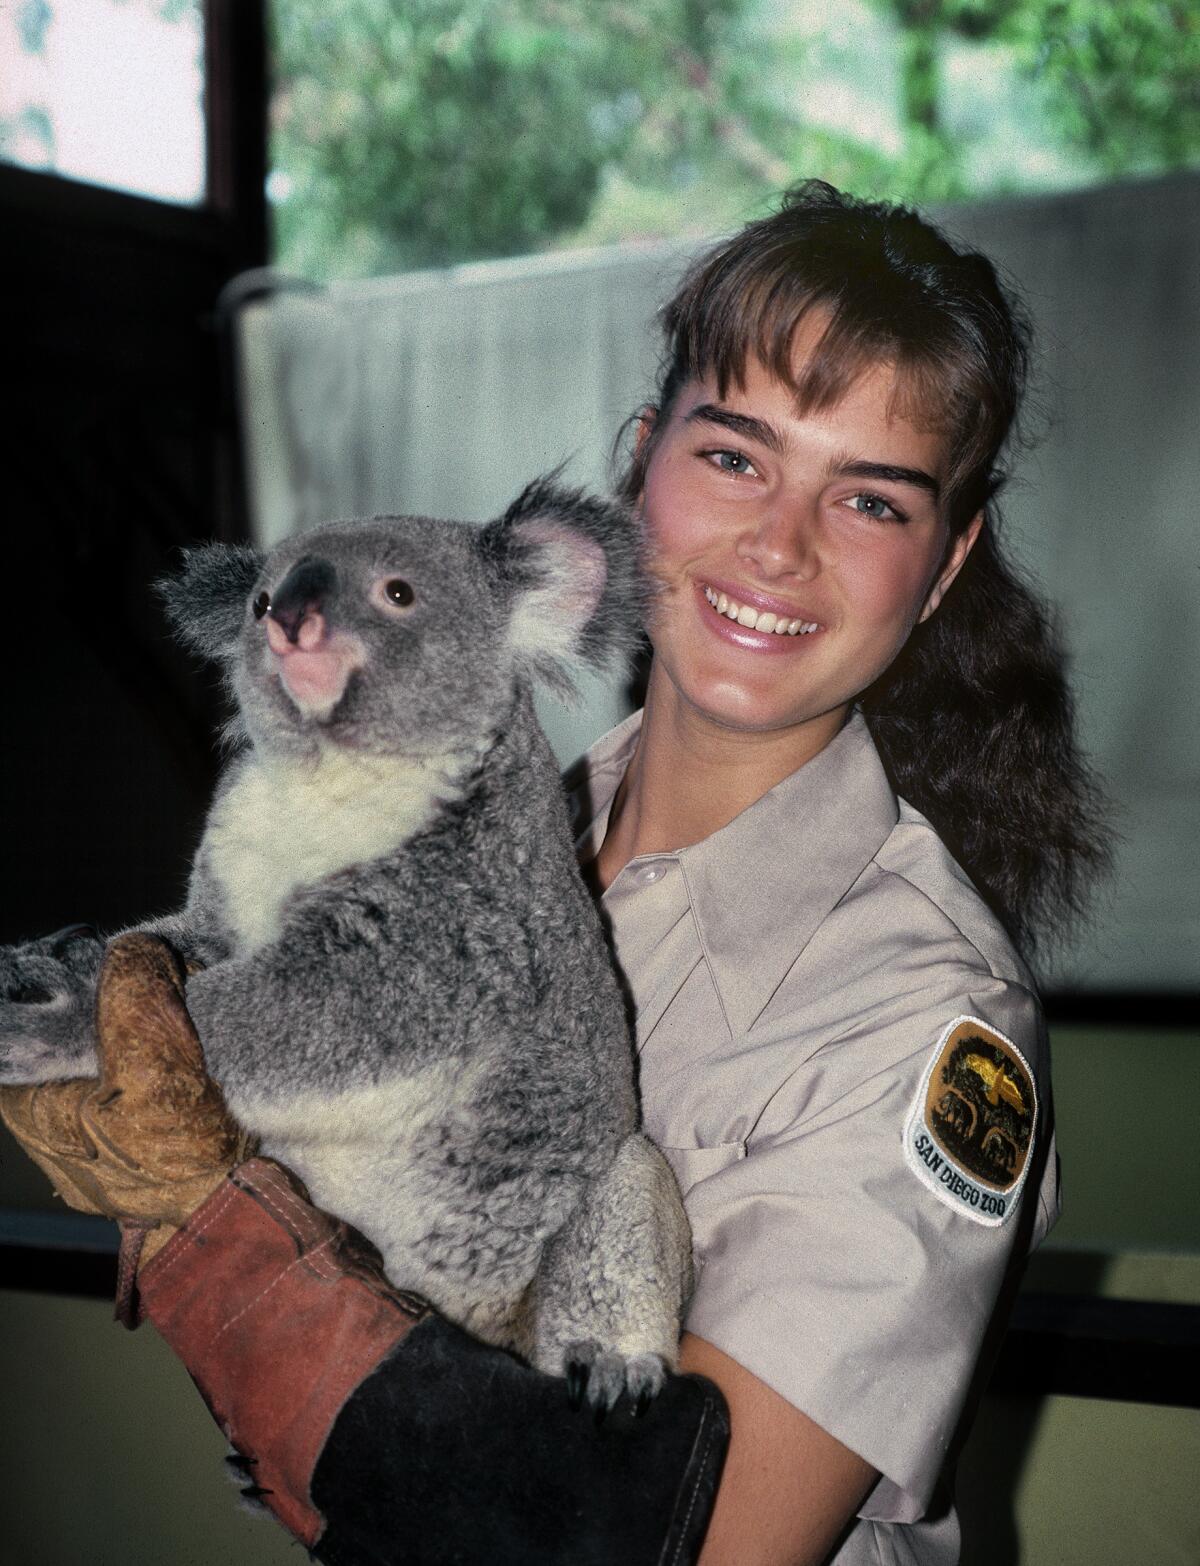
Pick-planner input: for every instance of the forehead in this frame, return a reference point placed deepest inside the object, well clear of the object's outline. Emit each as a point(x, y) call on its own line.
point(379, 541)
point(823, 351)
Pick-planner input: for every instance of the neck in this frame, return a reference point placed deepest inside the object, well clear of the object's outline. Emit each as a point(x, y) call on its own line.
point(689, 777)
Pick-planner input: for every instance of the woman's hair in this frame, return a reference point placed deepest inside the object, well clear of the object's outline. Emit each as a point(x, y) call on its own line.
point(974, 719)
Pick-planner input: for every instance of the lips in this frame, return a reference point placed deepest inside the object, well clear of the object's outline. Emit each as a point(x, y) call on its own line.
point(758, 622)
point(751, 618)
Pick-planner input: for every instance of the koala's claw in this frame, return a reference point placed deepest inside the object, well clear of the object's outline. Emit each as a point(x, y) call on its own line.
point(595, 1376)
point(602, 1376)
point(577, 1380)
point(645, 1377)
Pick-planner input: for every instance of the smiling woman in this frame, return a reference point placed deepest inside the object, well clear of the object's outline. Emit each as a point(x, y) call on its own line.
point(853, 700)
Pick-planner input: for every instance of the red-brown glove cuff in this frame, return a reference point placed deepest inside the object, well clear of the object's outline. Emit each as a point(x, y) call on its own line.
point(278, 1318)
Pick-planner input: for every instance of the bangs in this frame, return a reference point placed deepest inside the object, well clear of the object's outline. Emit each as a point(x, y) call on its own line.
point(735, 309)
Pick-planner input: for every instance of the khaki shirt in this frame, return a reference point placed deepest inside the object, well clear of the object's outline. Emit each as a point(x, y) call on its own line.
point(795, 977)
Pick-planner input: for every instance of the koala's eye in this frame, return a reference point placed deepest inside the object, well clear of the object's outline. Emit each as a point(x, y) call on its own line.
point(261, 604)
point(395, 595)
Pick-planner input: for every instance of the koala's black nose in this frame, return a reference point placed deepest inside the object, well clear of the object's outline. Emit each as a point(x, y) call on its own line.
point(304, 590)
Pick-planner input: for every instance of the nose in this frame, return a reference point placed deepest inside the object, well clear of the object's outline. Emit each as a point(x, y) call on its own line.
point(781, 542)
point(297, 603)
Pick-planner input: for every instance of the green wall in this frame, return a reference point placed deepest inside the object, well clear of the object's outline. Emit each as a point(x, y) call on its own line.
point(1127, 1113)
point(107, 1455)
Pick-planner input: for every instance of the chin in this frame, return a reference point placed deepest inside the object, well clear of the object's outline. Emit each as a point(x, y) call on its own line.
point(733, 706)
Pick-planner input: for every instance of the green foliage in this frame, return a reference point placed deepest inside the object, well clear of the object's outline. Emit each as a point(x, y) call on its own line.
point(444, 130)
point(411, 133)
point(178, 10)
point(32, 123)
point(1122, 76)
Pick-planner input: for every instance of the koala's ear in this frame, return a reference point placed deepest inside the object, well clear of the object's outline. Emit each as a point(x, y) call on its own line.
point(206, 601)
point(571, 564)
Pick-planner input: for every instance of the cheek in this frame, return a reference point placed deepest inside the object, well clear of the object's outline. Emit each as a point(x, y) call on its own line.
point(677, 527)
point(890, 584)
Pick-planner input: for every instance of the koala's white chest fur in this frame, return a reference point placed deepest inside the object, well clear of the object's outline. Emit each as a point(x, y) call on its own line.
point(283, 825)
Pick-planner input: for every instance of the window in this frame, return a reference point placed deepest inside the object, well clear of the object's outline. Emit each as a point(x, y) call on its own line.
point(109, 92)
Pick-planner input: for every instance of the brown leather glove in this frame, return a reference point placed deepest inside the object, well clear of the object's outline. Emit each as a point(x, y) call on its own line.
point(149, 1141)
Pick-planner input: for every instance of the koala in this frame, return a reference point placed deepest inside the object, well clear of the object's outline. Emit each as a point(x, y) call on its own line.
point(406, 993)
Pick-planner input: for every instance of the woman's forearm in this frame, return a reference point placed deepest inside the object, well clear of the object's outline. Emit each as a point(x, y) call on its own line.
point(789, 1488)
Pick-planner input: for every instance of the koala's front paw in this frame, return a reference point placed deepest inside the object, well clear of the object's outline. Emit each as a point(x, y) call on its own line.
point(601, 1375)
point(47, 990)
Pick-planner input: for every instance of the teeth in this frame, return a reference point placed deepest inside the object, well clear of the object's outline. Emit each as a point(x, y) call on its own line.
point(750, 618)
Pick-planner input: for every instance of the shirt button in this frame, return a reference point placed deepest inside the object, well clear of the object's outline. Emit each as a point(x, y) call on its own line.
point(650, 873)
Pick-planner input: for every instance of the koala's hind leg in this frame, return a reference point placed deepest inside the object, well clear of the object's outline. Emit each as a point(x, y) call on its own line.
point(612, 1283)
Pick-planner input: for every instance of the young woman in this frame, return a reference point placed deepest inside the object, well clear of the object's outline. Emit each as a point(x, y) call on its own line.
point(852, 794)
point(853, 706)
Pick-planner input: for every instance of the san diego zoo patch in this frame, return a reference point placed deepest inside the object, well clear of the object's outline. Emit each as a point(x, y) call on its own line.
point(969, 1134)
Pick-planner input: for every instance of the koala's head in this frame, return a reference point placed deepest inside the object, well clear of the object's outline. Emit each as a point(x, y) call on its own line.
point(409, 636)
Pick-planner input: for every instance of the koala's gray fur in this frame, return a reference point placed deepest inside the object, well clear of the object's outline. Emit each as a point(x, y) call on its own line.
point(407, 994)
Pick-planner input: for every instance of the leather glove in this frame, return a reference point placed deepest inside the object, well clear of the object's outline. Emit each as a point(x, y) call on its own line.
point(151, 1139)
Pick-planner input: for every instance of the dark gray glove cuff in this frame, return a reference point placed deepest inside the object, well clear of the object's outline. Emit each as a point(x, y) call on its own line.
point(453, 1453)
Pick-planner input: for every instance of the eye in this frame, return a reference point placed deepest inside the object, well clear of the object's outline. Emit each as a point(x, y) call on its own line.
point(729, 461)
point(261, 604)
point(395, 595)
point(869, 505)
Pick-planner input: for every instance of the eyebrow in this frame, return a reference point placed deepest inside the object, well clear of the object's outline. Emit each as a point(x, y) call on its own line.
point(751, 428)
point(739, 423)
point(890, 474)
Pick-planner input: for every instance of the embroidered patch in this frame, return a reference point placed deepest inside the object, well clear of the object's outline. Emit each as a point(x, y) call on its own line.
point(969, 1134)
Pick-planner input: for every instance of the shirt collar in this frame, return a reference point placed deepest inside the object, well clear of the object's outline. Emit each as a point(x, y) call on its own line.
point(592, 782)
point(760, 887)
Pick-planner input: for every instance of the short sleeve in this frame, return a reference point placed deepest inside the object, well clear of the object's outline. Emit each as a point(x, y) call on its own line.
point(831, 1265)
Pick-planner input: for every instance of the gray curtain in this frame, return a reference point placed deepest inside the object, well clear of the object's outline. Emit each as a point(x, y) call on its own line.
point(444, 392)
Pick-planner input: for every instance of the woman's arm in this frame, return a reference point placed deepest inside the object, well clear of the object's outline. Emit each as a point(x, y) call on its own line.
point(789, 1488)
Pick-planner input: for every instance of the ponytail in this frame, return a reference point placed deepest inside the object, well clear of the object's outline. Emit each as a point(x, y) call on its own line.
point(975, 724)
